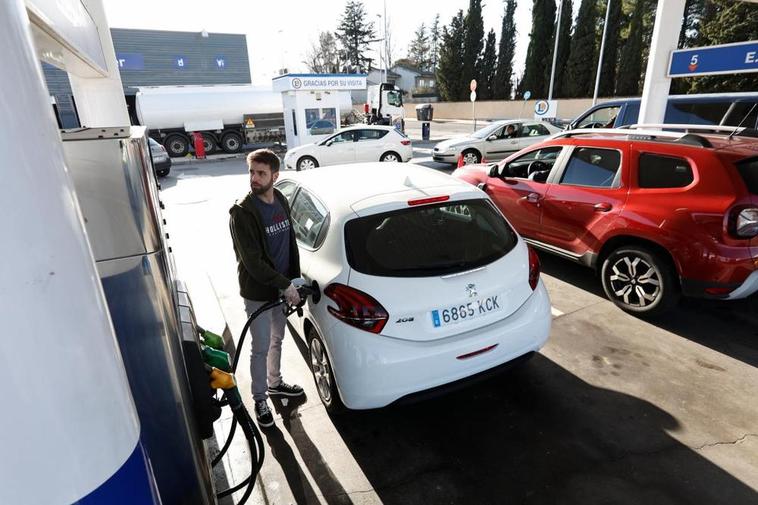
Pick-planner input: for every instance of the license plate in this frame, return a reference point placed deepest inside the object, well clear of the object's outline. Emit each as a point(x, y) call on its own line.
point(465, 311)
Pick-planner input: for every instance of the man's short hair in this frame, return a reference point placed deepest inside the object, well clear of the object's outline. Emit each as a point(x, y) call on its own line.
point(264, 156)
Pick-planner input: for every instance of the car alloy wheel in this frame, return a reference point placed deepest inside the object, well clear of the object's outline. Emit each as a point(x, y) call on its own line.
point(306, 164)
point(321, 370)
point(635, 282)
point(640, 281)
point(470, 158)
point(390, 157)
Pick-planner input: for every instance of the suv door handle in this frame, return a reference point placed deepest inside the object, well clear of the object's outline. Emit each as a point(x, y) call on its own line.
point(603, 207)
point(533, 198)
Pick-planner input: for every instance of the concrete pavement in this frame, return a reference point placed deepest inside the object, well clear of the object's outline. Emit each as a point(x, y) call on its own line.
point(613, 410)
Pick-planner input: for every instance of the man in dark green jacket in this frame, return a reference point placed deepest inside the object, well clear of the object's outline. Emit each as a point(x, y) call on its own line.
point(267, 258)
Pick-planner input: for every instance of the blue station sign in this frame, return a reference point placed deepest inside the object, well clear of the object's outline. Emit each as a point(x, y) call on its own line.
point(738, 58)
point(130, 61)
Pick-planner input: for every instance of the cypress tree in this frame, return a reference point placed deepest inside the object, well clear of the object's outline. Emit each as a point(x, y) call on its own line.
point(450, 82)
point(630, 68)
point(488, 68)
point(610, 54)
point(540, 48)
point(502, 86)
point(472, 45)
point(582, 64)
point(564, 50)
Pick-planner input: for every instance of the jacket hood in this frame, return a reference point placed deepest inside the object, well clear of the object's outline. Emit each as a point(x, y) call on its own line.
point(246, 203)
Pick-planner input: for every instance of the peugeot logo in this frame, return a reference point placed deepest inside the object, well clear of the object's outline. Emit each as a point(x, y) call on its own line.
point(471, 291)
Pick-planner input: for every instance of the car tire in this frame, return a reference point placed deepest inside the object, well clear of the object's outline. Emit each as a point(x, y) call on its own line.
point(640, 281)
point(176, 145)
point(231, 143)
point(471, 156)
point(391, 157)
point(306, 163)
point(323, 374)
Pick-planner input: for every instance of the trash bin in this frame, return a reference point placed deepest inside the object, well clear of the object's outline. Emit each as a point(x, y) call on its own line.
point(424, 112)
point(425, 130)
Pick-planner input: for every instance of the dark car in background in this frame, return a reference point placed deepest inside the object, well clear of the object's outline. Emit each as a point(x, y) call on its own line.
point(725, 109)
point(161, 161)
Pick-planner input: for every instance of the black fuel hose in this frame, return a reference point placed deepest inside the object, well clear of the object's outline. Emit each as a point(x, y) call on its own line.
point(242, 416)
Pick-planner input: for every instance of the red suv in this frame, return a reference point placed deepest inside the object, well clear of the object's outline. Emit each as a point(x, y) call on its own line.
point(660, 214)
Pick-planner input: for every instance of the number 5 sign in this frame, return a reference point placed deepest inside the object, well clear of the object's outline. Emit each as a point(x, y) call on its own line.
point(738, 58)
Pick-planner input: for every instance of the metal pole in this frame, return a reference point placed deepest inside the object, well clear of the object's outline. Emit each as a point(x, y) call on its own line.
point(386, 45)
point(602, 48)
point(473, 112)
point(555, 49)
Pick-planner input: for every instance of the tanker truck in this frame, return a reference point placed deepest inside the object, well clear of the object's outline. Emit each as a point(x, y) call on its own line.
point(228, 116)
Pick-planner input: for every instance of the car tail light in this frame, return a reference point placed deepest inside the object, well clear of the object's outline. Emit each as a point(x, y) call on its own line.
point(356, 308)
point(424, 201)
point(405, 142)
point(534, 268)
point(743, 222)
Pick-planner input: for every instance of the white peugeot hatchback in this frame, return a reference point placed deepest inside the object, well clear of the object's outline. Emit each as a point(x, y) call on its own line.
point(424, 282)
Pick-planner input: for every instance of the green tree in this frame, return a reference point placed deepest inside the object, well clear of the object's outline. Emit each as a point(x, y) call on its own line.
point(354, 32)
point(610, 54)
point(488, 68)
point(564, 50)
point(502, 86)
point(630, 68)
point(540, 48)
point(582, 64)
point(729, 22)
point(418, 51)
point(450, 81)
point(434, 43)
point(472, 44)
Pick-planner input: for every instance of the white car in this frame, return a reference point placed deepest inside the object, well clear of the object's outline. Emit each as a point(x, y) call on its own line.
point(355, 144)
point(423, 282)
point(495, 141)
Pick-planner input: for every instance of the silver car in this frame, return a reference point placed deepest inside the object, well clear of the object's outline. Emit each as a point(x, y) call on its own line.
point(495, 141)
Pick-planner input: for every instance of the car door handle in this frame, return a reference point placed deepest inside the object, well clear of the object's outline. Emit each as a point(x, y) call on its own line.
point(603, 207)
point(533, 198)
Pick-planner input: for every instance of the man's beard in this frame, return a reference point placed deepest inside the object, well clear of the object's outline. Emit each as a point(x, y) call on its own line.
point(262, 189)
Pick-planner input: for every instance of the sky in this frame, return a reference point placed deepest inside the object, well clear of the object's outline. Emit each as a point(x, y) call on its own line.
point(280, 32)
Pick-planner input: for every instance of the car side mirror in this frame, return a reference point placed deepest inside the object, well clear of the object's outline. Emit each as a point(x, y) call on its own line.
point(491, 138)
point(329, 144)
point(494, 172)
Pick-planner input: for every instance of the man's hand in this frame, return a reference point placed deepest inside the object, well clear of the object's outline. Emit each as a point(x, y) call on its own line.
point(291, 295)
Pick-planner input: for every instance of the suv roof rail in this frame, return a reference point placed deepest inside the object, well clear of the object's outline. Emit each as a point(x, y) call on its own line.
point(690, 127)
point(624, 130)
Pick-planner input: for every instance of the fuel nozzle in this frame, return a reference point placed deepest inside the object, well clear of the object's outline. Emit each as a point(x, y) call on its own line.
point(305, 289)
point(211, 339)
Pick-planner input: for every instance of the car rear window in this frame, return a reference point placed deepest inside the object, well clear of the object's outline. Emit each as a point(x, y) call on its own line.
point(428, 240)
point(658, 171)
point(749, 171)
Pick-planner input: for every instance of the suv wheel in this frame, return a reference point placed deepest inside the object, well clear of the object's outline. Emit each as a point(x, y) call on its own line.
point(639, 281)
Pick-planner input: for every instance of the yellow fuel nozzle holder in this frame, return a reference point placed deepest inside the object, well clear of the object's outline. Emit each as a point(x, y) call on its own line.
point(222, 380)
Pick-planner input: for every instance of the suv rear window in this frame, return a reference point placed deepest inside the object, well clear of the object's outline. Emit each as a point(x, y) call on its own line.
point(428, 241)
point(749, 171)
point(657, 171)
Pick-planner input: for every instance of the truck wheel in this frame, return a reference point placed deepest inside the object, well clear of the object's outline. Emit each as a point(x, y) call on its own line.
point(231, 143)
point(639, 281)
point(209, 143)
point(176, 145)
point(306, 163)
